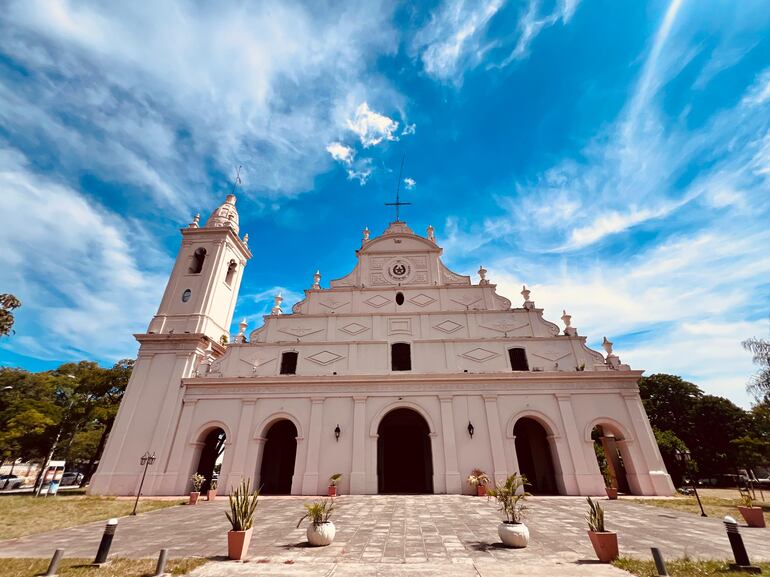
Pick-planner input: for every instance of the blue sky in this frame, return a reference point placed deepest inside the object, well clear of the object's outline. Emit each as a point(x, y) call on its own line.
point(614, 156)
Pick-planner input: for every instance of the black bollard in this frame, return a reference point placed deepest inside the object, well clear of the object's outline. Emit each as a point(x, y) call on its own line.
point(660, 564)
point(53, 567)
point(106, 543)
point(160, 569)
point(742, 562)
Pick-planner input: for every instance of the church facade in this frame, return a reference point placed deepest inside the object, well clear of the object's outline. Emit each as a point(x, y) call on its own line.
point(403, 376)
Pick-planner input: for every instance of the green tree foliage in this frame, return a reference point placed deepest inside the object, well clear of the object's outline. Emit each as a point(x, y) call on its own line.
point(720, 435)
point(759, 385)
point(8, 303)
point(669, 444)
point(80, 399)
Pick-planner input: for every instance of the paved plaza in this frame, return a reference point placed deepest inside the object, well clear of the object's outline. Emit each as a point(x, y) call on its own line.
point(405, 535)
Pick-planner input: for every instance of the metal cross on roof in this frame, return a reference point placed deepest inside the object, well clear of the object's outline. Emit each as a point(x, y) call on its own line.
point(398, 204)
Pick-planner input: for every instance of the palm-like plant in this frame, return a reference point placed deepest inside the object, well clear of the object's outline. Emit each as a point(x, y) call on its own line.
point(334, 479)
point(595, 516)
point(317, 512)
point(243, 506)
point(511, 495)
point(197, 481)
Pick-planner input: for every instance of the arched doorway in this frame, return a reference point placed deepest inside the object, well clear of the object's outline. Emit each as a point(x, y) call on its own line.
point(610, 457)
point(535, 459)
point(277, 469)
point(212, 453)
point(404, 457)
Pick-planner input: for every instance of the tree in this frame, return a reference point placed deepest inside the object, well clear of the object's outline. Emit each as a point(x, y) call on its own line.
point(8, 303)
point(759, 384)
point(669, 444)
point(669, 402)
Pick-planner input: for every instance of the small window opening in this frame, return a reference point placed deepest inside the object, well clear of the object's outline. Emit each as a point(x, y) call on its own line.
point(230, 273)
point(399, 298)
point(198, 257)
point(289, 363)
point(518, 358)
point(400, 357)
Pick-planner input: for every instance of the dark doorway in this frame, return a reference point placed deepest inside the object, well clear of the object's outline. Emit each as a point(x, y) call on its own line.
point(211, 456)
point(278, 458)
point(404, 458)
point(400, 357)
point(610, 459)
point(534, 454)
point(518, 358)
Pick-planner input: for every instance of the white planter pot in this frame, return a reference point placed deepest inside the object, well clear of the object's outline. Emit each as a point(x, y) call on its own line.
point(513, 534)
point(322, 534)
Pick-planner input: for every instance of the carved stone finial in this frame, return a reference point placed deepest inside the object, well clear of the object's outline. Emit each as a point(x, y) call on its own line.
point(276, 310)
point(607, 344)
point(365, 234)
point(317, 280)
point(195, 221)
point(483, 275)
point(431, 233)
point(525, 292)
point(568, 328)
point(241, 336)
point(246, 238)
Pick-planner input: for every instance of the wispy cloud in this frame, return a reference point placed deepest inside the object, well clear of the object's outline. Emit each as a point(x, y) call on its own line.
point(372, 127)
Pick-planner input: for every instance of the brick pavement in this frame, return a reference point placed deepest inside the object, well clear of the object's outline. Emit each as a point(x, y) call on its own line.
point(394, 534)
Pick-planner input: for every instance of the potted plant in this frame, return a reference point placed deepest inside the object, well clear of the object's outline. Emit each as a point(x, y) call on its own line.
point(212, 492)
point(333, 480)
point(754, 516)
point(243, 505)
point(479, 480)
point(197, 481)
point(605, 542)
point(510, 496)
point(321, 531)
point(612, 491)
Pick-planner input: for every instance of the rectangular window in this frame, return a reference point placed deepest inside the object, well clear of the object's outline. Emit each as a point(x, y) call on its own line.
point(289, 363)
point(400, 357)
point(518, 359)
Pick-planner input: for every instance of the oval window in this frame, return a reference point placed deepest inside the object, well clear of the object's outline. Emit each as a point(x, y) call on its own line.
point(186, 295)
point(399, 298)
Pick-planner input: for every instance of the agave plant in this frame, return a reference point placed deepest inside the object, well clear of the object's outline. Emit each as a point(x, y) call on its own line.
point(595, 516)
point(510, 495)
point(243, 505)
point(478, 477)
point(334, 479)
point(317, 512)
point(197, 481)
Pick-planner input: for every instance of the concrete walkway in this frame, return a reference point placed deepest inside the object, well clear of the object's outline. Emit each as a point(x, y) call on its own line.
point(410, 536)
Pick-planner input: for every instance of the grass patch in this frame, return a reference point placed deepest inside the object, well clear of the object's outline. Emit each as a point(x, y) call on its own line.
point(714, 506)
point(80, 568)
point(26, 515)
point(681, 567)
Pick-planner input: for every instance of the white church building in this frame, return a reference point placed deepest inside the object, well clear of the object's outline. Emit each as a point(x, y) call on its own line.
point(403, 376)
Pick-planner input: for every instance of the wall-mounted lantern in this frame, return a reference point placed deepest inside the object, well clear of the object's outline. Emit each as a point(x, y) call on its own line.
point(337, 432)
point(470, 429)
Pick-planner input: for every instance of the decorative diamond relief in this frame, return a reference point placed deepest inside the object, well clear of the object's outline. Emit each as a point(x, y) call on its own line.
point(479, 355)
point(422, 300)
point(466, 300)
point(333, 304)
point(504, 326)
point(354, 328)
point(324, 357)
point(377, 301)
point(448, 326)
point(299, 331)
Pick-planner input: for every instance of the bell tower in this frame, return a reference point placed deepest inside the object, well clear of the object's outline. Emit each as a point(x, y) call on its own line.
point(192, 324)
point(200, 295)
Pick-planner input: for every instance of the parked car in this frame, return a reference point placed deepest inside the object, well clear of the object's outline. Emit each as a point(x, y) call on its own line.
point(11, 482)
point(70, 478)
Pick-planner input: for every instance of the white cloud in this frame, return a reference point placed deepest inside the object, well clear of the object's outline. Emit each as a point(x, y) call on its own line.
point(410, 183)
point(341, 153)
point(372, 127)
point(532, 24)
point(87, 278)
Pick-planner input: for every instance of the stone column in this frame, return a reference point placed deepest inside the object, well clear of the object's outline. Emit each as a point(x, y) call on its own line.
point(358, 471)
point(496, 438)
point(583, 479)
point(452, 475)
point(241, 443)
point(310, 478)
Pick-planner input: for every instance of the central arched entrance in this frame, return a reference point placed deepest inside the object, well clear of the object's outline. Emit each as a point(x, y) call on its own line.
point(404, 457)
point(534, 454)
point(277, 469)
